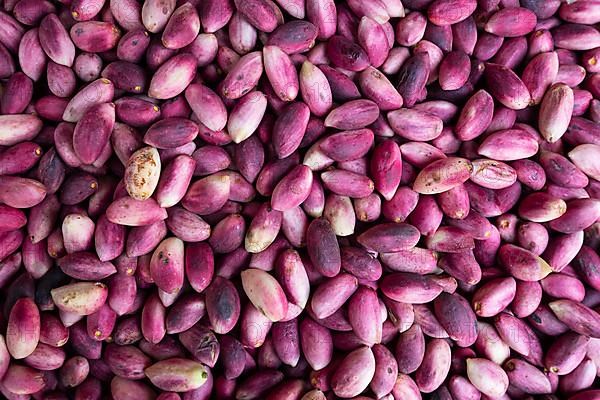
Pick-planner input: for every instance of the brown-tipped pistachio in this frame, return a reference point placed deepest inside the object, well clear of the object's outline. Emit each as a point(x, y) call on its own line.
point(542, 207)
point(97, 92)
point(177, 374)
point(265, 293)
point(523, 264)
point(82, 298)
point(130, 78)
point(100, 324)
point(443, 175)
point(455, 202)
